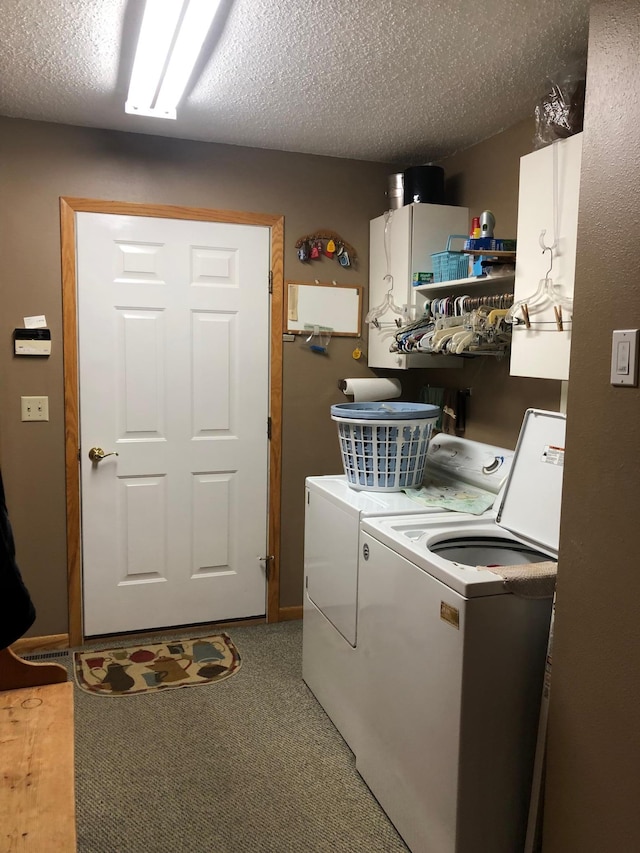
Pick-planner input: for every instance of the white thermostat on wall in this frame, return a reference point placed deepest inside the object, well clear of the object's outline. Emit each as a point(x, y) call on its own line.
point(32, 341)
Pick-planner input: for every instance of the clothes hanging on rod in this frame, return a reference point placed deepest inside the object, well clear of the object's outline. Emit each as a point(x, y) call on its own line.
point(454, 411)
point(452, 403)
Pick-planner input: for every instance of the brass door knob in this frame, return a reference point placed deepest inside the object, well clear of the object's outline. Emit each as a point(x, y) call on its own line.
point(97, 453)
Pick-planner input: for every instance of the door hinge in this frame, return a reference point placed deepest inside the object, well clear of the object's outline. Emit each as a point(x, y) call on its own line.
point(270, 281)
point(269, 427)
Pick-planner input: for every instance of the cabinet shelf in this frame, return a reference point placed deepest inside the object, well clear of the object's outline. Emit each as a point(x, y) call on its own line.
point(494, 253)
point(481, 285)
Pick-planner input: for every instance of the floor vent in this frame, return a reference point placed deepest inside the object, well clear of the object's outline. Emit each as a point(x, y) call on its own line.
point(38, 656)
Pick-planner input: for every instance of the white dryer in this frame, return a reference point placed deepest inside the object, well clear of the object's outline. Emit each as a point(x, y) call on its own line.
point(452, 663)
point(333, 514)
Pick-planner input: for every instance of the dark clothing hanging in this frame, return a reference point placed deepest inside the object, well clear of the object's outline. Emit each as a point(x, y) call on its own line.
point(453, 408)
point(17, 612)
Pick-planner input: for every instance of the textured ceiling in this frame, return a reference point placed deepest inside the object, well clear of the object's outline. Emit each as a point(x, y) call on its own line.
point(367, 79)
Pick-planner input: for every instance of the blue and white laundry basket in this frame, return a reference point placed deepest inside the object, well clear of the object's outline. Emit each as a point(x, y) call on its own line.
point(384, 445)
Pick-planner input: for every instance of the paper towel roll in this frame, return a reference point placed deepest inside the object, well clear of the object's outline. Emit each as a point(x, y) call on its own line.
point(371, 389)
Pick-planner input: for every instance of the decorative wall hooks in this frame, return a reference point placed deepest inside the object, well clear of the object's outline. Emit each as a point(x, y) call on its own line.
point(326, 243)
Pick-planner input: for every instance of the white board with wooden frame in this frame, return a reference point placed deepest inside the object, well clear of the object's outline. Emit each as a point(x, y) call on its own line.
point(333, 306)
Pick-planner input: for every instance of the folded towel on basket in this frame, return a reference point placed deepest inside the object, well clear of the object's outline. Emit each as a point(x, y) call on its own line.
point(531, 580)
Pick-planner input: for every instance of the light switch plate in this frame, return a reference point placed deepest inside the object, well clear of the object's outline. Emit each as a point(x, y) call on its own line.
point(624, 357)
point(34, 408)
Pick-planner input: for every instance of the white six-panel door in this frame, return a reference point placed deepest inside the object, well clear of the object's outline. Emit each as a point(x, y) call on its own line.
point(173, 327)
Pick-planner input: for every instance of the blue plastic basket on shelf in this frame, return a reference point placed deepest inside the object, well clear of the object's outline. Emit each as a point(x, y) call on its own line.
point(450, 265)
point(384, 445)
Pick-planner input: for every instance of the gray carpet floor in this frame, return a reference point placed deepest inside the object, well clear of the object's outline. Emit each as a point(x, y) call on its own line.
point(251, 763)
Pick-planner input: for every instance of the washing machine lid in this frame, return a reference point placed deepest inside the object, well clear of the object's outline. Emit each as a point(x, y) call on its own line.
point(532, 498)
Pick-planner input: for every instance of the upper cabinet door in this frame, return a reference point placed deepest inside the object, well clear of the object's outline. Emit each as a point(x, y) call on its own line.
point(401, 244)
point(547, 201)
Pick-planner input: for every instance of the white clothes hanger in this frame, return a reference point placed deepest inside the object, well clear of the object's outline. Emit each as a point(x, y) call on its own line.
point(546, 294)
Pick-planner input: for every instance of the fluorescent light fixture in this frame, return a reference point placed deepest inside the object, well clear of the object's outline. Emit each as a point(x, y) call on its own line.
point(171, 37)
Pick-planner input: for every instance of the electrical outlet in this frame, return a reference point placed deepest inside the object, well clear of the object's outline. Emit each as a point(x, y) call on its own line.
point(35, 408)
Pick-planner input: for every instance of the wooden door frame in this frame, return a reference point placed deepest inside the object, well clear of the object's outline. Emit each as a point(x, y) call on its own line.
point(68, 209)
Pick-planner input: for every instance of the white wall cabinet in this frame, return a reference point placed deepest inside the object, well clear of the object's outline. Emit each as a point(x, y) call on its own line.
point(547, 201)
point(401, 243)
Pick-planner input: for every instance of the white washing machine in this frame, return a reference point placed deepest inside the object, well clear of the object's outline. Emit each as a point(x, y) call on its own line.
point(333, 514)
point(451, 665)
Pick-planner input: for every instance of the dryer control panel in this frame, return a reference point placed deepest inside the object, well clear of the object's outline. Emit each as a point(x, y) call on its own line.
point(484, 466)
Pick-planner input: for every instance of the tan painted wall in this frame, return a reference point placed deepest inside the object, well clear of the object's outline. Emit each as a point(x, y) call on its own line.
point(593, 778)
point(40, 162)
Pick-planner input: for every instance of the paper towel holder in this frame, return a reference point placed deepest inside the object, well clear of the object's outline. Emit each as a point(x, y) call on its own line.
point(370, 389)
